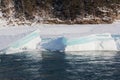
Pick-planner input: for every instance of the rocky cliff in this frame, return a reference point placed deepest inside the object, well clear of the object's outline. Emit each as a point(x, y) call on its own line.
point(61, 11)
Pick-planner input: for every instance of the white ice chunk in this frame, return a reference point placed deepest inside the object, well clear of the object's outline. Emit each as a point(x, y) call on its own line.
point(57, 44)
point(29, 42)
point(97, 42)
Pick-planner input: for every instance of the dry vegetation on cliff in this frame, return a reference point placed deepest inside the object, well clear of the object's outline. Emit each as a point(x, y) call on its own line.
point(62, 11)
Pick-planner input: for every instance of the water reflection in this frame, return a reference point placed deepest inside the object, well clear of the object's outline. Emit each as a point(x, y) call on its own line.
point(54, 66)
point(18, 67)
point(95, 65)
point(60, 66)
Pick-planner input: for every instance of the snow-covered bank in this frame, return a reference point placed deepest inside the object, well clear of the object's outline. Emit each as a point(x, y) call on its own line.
point(10, 34)
point(63, 30)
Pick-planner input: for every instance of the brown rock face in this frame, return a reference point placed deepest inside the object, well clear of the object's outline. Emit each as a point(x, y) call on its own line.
point(62, 11)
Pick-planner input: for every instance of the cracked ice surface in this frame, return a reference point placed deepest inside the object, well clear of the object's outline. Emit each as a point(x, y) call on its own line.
point(10, 34)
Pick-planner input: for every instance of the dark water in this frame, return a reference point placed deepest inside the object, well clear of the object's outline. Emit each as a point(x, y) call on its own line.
point(60, 66)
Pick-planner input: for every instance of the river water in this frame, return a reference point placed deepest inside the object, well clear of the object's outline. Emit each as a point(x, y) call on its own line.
point(60, 66)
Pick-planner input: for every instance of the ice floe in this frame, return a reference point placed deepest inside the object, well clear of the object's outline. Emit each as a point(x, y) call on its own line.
point(29, 42)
